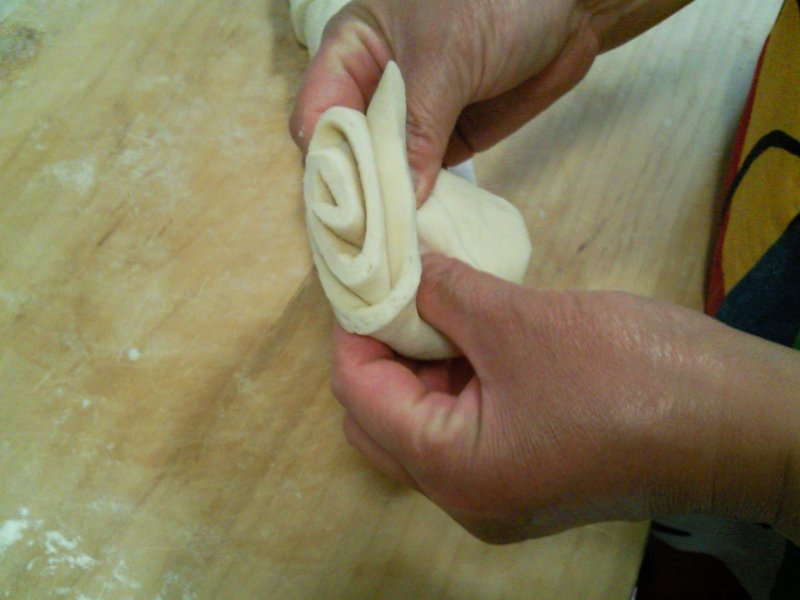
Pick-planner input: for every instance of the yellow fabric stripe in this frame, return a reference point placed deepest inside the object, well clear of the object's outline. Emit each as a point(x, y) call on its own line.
point(769, 196)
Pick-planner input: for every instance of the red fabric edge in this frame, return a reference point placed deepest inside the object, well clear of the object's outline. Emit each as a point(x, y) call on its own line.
point(716, 282)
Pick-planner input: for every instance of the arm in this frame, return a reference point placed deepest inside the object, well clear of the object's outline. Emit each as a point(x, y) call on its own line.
point(757, 466)
point(577, 407)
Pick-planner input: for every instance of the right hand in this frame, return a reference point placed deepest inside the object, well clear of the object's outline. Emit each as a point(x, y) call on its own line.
point(475, 70)
point(574, 407)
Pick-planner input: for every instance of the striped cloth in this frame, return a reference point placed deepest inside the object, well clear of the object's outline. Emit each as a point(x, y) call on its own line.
point(754, 286)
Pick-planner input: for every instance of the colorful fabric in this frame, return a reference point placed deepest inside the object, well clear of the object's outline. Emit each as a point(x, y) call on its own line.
point(755, 277)
point(754, 286)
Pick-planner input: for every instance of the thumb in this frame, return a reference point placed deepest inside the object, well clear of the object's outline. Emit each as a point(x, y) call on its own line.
point(344, 72)
point(474, 310)
point(434, 105)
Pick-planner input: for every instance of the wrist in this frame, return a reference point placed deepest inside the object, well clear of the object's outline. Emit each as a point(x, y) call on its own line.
point(787, 521)
point(755, 471)
point(729, 430)
point(618, 21)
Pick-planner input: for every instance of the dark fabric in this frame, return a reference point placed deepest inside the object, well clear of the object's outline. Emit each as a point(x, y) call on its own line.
point(754, 286)
point(669, 574)
point(766, 302)
point(787, 586)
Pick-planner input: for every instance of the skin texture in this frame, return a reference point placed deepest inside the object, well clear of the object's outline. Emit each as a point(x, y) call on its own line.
point(574, 407)
point(475, 92)
point(498, 64)
point(567, 407)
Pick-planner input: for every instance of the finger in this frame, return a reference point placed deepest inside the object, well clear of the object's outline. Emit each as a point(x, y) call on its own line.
point(345, 72)
point(416, 427)
point(381, 394)
point(446, 376)
point(435, 376)
point(409, 363)
point(354, 349)
point(483, 124)
point(375, 453)
point(461, 374)
point(438, 86)
point(471, 308)
point(433, 109)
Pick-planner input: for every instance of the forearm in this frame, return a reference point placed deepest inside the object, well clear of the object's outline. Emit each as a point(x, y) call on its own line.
point(757, 471)
point(618, 21)
point(729, 437)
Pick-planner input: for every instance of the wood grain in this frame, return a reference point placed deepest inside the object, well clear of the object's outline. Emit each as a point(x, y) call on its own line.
point(166, 428)
point(619, 180)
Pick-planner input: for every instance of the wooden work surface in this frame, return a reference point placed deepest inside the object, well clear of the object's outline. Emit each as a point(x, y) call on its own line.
point(166, 427)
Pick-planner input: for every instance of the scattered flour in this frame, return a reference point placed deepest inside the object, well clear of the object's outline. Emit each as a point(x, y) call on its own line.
point(174, 586)
point(14, 301)
point(11, 532)
point(76, 175)
point(132, 156)
point(62, 551)
point(121, 575)
point(110, 507)
point(54, 542)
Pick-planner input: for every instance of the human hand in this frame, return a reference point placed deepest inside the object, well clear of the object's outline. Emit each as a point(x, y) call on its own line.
point(574, 407)
point(475, 70)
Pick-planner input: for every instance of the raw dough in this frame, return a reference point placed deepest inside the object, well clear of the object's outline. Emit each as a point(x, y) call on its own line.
point(366, 233)
point(309, 18)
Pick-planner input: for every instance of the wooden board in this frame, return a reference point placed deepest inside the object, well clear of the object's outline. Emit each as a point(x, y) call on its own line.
point(166, 428)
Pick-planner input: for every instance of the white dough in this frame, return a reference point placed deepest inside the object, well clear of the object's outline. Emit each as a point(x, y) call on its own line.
point(366, 233)
point(309, 18)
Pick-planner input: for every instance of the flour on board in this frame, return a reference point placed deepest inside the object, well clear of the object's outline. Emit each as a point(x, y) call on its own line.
point(11, 532)
point(76, 175)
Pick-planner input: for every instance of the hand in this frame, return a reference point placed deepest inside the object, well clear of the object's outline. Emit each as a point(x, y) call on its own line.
point(575, 407)
point(475, 70)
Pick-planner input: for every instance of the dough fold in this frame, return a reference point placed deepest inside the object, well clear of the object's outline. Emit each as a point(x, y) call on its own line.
point(309, 18)
point(366, 233)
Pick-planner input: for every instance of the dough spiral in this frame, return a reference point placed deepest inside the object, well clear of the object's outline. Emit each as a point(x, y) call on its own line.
point(366, 233)
point(309, 18)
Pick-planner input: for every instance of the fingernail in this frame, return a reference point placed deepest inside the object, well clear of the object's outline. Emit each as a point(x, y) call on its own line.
point(433, 261)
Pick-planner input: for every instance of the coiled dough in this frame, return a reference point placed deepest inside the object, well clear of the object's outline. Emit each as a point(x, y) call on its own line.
point(367, 234)
point(309, 18)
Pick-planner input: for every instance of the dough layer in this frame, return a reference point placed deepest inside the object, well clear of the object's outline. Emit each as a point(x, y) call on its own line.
point(366, 233)
point(309, 18)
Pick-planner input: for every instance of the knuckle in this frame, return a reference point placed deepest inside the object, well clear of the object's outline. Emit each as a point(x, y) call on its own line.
point(345, 23)
point(439, 277)
point(425, 139)
point(438, 445)
point(357, 25)
point(431, 449)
